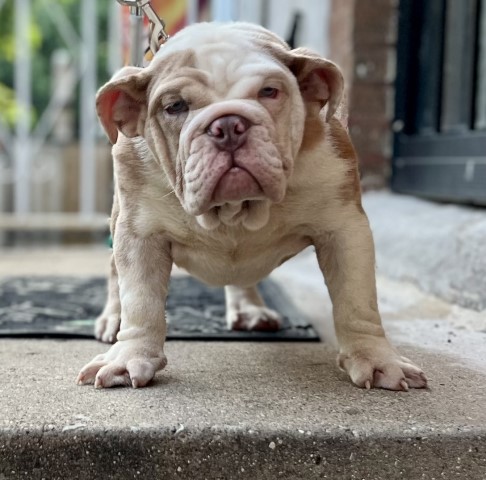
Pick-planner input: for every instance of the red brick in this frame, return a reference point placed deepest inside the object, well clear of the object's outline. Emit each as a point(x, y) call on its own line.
point(375, 22)
point(375, 64)
point(363, 35)
point(373, 100)
point(341, 36)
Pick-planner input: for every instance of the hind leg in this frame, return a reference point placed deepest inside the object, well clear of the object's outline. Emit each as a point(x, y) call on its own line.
point(246, 310)
point(108, 323)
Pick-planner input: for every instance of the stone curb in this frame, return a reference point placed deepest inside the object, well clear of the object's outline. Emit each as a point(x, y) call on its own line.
point(231, 454)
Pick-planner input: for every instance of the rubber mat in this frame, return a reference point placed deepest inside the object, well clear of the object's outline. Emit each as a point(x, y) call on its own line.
point(67, 307)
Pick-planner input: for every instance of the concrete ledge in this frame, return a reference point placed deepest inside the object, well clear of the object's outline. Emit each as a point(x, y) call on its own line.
point(441, 248)
point(235, 410)
point(226, 455)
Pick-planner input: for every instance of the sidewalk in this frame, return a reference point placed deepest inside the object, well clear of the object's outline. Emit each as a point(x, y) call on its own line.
point(253, 410)
point(440, 248)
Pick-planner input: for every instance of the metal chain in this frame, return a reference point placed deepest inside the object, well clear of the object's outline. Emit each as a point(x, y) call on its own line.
point(158, 35)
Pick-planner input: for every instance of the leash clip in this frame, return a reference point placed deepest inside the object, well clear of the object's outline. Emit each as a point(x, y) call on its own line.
point(158, 35)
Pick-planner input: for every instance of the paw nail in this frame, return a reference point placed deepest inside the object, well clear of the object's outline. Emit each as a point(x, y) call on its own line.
point(404, 385)
point(368, 385)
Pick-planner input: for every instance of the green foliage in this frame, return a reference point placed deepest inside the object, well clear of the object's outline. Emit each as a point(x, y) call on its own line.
point(8, 107)
point(44, 39)
point(7, 40)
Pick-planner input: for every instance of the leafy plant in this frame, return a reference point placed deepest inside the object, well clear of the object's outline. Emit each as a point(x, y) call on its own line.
point(44, 38)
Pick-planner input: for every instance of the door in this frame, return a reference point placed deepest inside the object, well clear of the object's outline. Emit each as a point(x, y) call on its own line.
point(440, 112)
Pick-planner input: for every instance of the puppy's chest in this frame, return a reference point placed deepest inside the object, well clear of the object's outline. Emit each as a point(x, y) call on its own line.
point(235, 261)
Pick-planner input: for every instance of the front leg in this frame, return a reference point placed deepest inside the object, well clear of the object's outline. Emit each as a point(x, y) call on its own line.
point(143, 266)
point(347, 260)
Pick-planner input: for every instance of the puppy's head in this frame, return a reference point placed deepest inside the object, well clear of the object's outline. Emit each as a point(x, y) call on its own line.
point(222, 108)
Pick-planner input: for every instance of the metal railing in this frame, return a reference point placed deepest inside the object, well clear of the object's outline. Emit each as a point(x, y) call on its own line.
point(33, 170)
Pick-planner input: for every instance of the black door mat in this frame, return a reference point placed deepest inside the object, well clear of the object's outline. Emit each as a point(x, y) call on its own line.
point(66, 307)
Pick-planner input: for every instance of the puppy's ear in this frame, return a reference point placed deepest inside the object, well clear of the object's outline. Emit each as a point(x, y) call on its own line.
point(122, 103)
point(319, 79)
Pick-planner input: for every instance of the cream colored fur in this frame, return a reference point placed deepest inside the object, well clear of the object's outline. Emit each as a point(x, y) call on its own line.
point(168, 168)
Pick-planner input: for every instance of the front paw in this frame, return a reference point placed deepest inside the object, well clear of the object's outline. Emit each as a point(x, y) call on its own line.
point(379, 366)
point(128, 362)
point(253, 317)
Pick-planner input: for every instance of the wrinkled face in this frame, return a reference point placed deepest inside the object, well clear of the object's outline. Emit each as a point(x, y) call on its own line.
point(233, 122)
point(224, 115)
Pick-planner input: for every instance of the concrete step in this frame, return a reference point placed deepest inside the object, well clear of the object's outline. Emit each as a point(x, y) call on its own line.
point(236, 410)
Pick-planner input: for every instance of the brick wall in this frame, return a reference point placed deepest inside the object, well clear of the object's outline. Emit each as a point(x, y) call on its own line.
point(341, 36)
point(363, 39)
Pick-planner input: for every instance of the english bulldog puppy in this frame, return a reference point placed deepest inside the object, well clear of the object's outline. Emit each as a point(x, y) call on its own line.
point(228, 161)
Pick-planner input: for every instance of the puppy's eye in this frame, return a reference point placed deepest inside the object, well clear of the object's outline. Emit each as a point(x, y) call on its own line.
point(177, 107)
point(268, 92)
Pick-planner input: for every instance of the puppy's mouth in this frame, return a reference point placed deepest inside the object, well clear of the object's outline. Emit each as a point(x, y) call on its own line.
point(218, 178)
point(237, 184)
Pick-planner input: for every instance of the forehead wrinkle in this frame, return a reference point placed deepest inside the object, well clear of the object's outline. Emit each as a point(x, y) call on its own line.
point(244, 87)
point(256, 70)
point(175, 86)
point(218, 46)
point(247, 79)
point(227, 68)
point(192, 74)
point(218, 58)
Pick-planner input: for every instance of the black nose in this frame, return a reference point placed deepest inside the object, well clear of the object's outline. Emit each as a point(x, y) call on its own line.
point(229, 132)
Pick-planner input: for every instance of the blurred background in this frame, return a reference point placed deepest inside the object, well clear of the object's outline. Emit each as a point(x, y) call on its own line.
point(416, 86)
